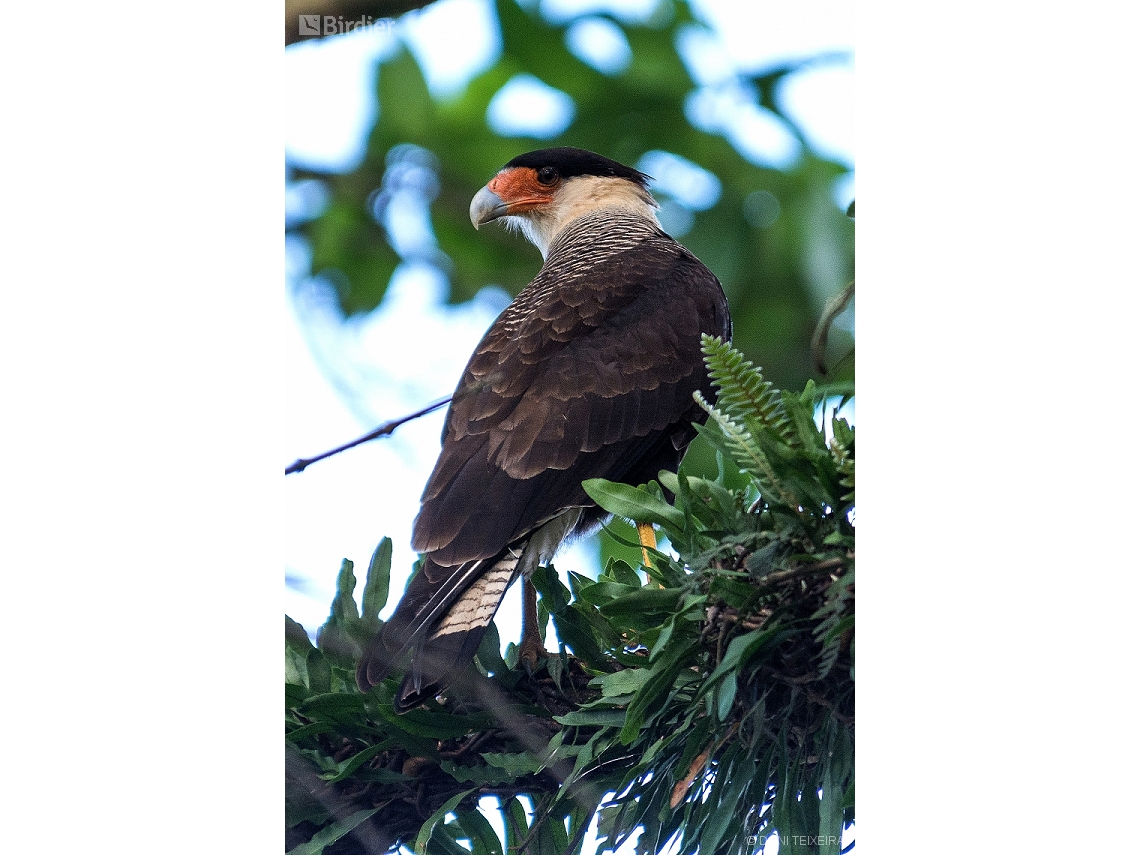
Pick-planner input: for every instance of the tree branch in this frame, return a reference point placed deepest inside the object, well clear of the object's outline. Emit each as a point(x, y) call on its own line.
point(831, 311)
point(385, 429)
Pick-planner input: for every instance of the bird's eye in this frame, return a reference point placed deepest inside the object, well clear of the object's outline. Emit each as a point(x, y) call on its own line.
point(547, 175)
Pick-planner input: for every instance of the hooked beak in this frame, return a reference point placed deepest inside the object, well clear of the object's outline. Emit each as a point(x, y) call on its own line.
point(487, 206)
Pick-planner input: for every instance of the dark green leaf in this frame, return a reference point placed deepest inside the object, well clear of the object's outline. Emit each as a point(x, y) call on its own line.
point(554, 593)
point(428, 827)
point(664, 673)
point(592, 718)
point(332, 833)
point(726, 694)
point(349, 766)
point(483, 838)
point(319, 671)
point(489, 655)
point(296, 637)
point(514, 817)
point(375, 594)
point(632, 503)
point(622, 682)
point(515, 764)
point(643, 601)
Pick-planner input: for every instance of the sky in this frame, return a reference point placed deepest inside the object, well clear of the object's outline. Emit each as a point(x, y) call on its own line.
point(346, 377)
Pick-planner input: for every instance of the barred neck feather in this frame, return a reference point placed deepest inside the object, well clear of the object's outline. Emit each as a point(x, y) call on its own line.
point(578, 250)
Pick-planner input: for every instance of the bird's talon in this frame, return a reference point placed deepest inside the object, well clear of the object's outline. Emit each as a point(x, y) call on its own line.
point(530, 651)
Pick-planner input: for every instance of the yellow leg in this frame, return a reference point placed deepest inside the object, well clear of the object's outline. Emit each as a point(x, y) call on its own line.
point(648, 541)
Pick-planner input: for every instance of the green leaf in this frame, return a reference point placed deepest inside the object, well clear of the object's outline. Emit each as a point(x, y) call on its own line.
point(603, 592)
point(724, 816)
point(514, 818)
point(621, 572)
point(296, 637)
point(347, 767)
point(482, 836)
point(428, 827)
point(296, 668)
point(524, 763)
point(744, 395)
point(446, 840)
point(482, 775)
point(574, 631)
point(295, 694)
point(660, 681)
point(735, 592)
point(642, 601)
point(608, 636)
point(332, 703)
point(332, 833)
point(314, 729)
point(375, 595)
point(432, 726)
point(632, 503)
point(554, 593)
point(344, 606)
point(739, 651)
point(726, 694)
point(511, 656)
point(555, 665)
point(622, 682)
point(335, 637)
point(319, 671)
point(489, 656)
point(592, 718)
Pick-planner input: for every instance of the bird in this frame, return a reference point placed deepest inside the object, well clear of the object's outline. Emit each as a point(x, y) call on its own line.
point(588, 373)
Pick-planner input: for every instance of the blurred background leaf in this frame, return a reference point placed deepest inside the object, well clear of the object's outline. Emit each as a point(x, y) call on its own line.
point(767, 223)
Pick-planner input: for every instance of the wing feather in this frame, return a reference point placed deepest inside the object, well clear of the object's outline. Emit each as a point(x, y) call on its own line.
point(576, 379)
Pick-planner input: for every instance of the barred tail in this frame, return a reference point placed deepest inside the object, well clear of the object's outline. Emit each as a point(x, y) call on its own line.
point(441, 620)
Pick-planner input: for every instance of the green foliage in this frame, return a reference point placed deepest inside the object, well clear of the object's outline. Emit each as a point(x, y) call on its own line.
point(708, 703)
point(774, 237)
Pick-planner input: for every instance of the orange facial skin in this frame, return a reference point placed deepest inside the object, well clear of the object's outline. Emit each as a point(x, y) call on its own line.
point(519, 188)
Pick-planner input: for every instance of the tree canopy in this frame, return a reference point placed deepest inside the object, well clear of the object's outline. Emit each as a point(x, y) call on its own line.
point(775, 237)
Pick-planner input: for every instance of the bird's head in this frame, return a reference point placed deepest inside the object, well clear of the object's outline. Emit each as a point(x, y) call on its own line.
point(542, 191)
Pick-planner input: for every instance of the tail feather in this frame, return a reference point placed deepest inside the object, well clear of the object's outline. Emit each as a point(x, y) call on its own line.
point(441, 620)
point(437, 665)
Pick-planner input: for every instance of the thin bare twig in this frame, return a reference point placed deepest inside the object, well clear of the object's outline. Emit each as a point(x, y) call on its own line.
point(385, 429)
point(779, 576)
point(831, 311)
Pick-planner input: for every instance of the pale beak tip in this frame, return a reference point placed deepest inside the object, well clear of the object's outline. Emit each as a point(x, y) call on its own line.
point(486, 206)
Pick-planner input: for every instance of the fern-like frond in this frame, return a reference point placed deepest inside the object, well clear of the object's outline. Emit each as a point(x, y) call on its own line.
point(744, 394)
point(842, 447)
point(745, 452)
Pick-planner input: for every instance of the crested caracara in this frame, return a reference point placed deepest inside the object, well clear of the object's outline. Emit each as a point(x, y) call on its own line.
point(589, 373)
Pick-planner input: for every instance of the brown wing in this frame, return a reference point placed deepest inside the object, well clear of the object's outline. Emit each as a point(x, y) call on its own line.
point(588, 374)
